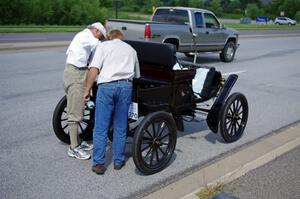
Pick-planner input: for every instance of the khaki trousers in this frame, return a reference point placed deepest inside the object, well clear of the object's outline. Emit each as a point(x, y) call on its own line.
point(74, 85)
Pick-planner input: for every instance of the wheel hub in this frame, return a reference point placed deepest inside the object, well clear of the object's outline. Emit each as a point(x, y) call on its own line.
point(235, 118)
point(156, 142)
point(230, 52)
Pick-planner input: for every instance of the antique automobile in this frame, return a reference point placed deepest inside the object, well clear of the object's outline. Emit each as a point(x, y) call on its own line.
point(166, 93)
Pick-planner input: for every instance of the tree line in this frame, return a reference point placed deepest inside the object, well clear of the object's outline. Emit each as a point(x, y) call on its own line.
point(73, 12)
point(61, 12)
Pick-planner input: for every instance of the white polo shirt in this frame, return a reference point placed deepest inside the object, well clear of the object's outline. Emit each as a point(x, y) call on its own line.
point(116, 60)
point(82, 48)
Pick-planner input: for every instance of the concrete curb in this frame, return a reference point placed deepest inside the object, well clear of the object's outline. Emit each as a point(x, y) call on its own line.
point(233, 166)
point(32, 45)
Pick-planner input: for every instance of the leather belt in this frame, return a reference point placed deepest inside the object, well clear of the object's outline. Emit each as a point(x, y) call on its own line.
point(128, 80)
point(79, 68)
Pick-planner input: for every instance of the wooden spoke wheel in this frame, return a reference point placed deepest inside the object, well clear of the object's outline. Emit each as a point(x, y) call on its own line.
point(154, 142)
point(234, 117)
point(60, 123)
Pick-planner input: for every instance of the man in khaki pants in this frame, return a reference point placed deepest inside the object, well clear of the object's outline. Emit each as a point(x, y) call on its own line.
point(79, 54)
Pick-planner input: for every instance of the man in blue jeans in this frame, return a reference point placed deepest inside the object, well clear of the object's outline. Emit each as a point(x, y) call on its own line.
point(115, 62)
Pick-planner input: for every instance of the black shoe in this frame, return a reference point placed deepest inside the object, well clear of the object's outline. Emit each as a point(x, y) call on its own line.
point(99, 169)
point(118, 166)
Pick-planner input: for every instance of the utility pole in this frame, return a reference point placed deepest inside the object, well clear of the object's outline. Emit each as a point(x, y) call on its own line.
point(117, 7)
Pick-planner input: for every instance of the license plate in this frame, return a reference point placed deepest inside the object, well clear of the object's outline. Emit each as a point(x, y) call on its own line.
point(133, 112)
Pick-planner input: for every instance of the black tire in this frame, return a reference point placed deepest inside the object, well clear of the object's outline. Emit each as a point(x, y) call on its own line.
point(60, 125)
point(234, 117)
point(228, 53)
point(154, 142)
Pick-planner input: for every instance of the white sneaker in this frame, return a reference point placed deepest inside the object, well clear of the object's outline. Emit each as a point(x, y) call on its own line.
point(78, 153)
point(85, 146)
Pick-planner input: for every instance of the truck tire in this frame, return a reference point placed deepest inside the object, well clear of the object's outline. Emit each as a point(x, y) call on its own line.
point(228, 53)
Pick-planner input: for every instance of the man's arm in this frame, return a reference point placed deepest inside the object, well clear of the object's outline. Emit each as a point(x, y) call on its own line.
point(92, 74)
point(137, 73)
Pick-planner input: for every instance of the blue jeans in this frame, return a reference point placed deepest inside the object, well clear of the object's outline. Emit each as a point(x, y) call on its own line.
point(112, 103)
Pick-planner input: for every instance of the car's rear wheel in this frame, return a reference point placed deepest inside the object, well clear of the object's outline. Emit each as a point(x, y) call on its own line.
point(154, 142)
point(60, 123)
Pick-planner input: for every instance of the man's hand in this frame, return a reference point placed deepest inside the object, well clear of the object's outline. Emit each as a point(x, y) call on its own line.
point(91, 76)
point(86, 95)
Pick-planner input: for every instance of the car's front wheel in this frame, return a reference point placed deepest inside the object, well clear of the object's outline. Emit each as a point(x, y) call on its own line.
point(234, 117)
point(228, 53)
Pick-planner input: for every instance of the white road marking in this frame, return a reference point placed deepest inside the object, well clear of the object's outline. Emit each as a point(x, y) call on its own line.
point(236, 72)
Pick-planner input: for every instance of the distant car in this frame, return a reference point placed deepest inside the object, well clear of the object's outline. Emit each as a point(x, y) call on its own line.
point(284, 21)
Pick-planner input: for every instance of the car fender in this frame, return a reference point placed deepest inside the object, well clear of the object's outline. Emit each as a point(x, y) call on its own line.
point(171, 38)
point(232, 38)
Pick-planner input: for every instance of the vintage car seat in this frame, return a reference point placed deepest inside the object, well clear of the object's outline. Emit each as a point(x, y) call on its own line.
point(152, 53)
point(157, 61)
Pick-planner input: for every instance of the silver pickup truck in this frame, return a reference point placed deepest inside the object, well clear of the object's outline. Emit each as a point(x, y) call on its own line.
point(189, 29)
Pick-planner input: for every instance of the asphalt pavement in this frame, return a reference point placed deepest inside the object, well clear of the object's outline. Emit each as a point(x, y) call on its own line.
point(34, 164)
point(277, 179)
point(32, 38)
point(36, 37)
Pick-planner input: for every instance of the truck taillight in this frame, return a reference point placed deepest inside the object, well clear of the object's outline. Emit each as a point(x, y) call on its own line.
point(147, 31)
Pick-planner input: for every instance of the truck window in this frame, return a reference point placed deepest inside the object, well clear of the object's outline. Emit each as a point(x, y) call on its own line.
point(171, 16)
point(160, 15)
point(211, 21)
point(198, 19)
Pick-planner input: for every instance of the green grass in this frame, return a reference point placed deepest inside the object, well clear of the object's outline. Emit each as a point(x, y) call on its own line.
point(261, 26)
point(231, 16)
point(134, 16)
point(209, 192)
